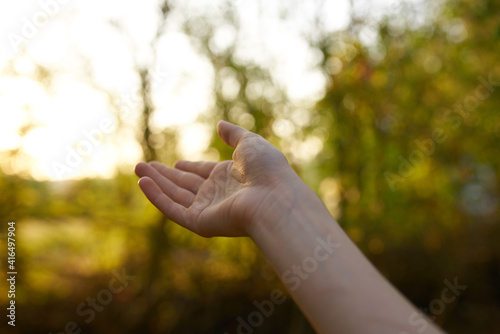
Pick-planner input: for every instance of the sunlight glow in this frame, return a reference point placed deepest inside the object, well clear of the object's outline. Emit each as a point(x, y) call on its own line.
point(58, 122)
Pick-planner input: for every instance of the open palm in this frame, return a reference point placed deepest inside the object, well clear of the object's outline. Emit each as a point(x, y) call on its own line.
point(217, 198)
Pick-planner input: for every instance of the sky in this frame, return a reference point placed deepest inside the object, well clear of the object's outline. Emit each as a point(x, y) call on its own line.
point(70, 129)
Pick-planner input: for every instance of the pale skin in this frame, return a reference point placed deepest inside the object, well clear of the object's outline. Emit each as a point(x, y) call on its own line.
point(258, 195)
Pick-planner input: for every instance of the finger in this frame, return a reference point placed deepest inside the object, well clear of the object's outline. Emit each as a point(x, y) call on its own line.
point(172, 210)
point(140, 168)
point(186, 180)
point(201, 168)
point(176, 193)
point(231, 134)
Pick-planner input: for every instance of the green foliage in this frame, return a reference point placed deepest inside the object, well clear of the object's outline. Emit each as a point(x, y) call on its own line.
point(411, 136)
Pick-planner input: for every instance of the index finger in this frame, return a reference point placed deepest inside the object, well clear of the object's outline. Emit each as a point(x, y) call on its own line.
point(201, 168)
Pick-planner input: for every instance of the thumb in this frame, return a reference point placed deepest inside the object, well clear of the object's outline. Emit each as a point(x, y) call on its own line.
point(231, 134)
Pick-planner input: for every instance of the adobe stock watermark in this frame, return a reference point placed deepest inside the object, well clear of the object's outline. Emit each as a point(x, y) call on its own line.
point(293, 278)
point(104, 297)
point(159, 77)
point(451, 119)
point(93, 138)
point(30, 26)
point(85, 147)
point(436, 306)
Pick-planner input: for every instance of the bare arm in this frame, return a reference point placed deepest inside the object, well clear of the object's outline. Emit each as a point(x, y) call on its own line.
point(257, 194)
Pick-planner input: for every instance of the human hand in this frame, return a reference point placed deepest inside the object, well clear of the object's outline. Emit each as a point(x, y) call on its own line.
point(257, 194)
point(222, 198)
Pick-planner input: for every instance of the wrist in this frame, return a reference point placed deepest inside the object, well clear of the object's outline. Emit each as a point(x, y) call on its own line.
point(290, 207)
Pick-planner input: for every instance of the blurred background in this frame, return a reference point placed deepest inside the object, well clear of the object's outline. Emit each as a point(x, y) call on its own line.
point(387, 109)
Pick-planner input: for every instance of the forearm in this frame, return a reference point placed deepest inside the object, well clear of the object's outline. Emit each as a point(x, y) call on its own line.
point(330, 279)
